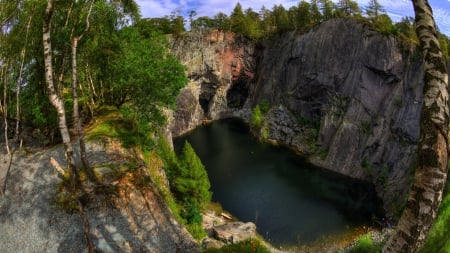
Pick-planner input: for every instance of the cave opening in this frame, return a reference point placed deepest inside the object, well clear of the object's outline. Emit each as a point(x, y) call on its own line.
point(238, 93)
point(208, 91)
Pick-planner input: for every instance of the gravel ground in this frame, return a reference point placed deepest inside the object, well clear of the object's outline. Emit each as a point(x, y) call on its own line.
point(30, 222)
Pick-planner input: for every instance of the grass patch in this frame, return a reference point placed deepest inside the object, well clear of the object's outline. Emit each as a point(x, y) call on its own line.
point(365, 244)
point(248, 246)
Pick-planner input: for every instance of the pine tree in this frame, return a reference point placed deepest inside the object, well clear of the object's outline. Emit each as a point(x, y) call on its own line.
point(193, 184)
point(374, 9)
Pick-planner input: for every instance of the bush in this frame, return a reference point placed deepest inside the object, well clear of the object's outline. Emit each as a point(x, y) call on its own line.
point(257, 117)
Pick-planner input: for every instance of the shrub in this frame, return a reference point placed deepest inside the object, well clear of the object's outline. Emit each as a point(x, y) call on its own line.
point(257, 117)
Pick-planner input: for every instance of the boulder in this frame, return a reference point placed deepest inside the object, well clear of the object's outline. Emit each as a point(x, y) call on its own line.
point(235, 232)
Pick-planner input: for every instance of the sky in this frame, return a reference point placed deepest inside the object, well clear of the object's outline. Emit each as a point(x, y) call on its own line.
point(395, 8)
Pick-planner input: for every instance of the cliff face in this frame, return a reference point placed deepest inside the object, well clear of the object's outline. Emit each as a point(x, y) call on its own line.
point(345, 96)
point(220, 67)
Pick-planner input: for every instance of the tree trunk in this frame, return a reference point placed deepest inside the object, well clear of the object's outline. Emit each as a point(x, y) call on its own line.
point(431, 172)
point(56, 100)
point(76, 113)
point(4, 106)
point(22, 54)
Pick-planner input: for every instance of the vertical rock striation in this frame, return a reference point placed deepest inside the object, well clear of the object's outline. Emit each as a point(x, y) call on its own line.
point(343, 95)
point(220, 66)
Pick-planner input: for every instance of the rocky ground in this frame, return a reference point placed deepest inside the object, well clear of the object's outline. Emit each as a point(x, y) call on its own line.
point(134, 220)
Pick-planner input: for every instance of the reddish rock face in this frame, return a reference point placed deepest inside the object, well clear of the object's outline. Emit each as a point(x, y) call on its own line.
point(221, 65)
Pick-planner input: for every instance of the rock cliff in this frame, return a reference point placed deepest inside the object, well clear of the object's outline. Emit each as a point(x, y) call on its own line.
point(220, 67)
point(345, 96)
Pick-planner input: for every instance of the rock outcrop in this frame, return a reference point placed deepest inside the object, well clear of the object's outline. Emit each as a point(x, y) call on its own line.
point(345, 96)
point(235, 232)
point(220, 67)
point(122, 216)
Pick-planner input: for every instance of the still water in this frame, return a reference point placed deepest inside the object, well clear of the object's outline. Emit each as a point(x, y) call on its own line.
point(290, 202)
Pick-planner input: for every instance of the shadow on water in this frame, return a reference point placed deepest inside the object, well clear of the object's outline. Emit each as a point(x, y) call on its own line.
point(291, 201)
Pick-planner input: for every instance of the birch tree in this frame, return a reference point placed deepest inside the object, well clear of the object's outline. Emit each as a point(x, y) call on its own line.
point(431, 172)
point(76, 114)
point(54, 97)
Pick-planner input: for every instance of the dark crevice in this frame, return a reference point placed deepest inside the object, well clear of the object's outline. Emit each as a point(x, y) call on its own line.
point(238, 93)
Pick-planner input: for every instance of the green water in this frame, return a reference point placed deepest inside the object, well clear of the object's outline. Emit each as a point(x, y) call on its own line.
point(290, 201)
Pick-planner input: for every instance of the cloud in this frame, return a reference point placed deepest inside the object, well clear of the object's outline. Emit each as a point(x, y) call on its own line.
point(156, 8)
point(396, 9)
point(442, 18)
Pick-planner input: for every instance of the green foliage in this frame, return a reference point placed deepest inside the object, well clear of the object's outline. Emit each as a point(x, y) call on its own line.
point(257, 117)
point(265, 132)
point(192, 185)
point(264, 106)
point(406, 30)
point(443, 40)
point(192, 214)
point(145, 75)
point(365, 244)
point(323, 154)
point(248, 246)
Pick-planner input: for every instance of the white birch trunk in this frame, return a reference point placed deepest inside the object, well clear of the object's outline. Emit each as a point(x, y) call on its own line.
point(431, 172)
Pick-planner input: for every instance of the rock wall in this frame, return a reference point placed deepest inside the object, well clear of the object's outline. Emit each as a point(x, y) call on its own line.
point(353, 98)
point(343, 95)
point(220, 67)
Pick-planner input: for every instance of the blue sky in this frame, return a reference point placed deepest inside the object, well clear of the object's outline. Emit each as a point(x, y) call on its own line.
point(395, 8)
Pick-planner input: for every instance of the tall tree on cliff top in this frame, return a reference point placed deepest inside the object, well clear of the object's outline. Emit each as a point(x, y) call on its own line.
point(431, 172)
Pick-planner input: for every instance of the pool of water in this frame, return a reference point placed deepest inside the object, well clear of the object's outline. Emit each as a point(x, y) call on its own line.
point(290, 201)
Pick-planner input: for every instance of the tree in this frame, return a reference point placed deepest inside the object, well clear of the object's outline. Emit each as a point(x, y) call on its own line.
point(374, 9)
point(406, 29)
point(193, 183)
point(222, 21)
point(327, 7)
point(145, 74)
point(348, 7)
point(192, 14)
point(315, 12)
point(304, 16)
point(431, 172)
point(252, 24)
point(54, 97)
point(76, 114)
point(281, 18)
point(237, 19)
